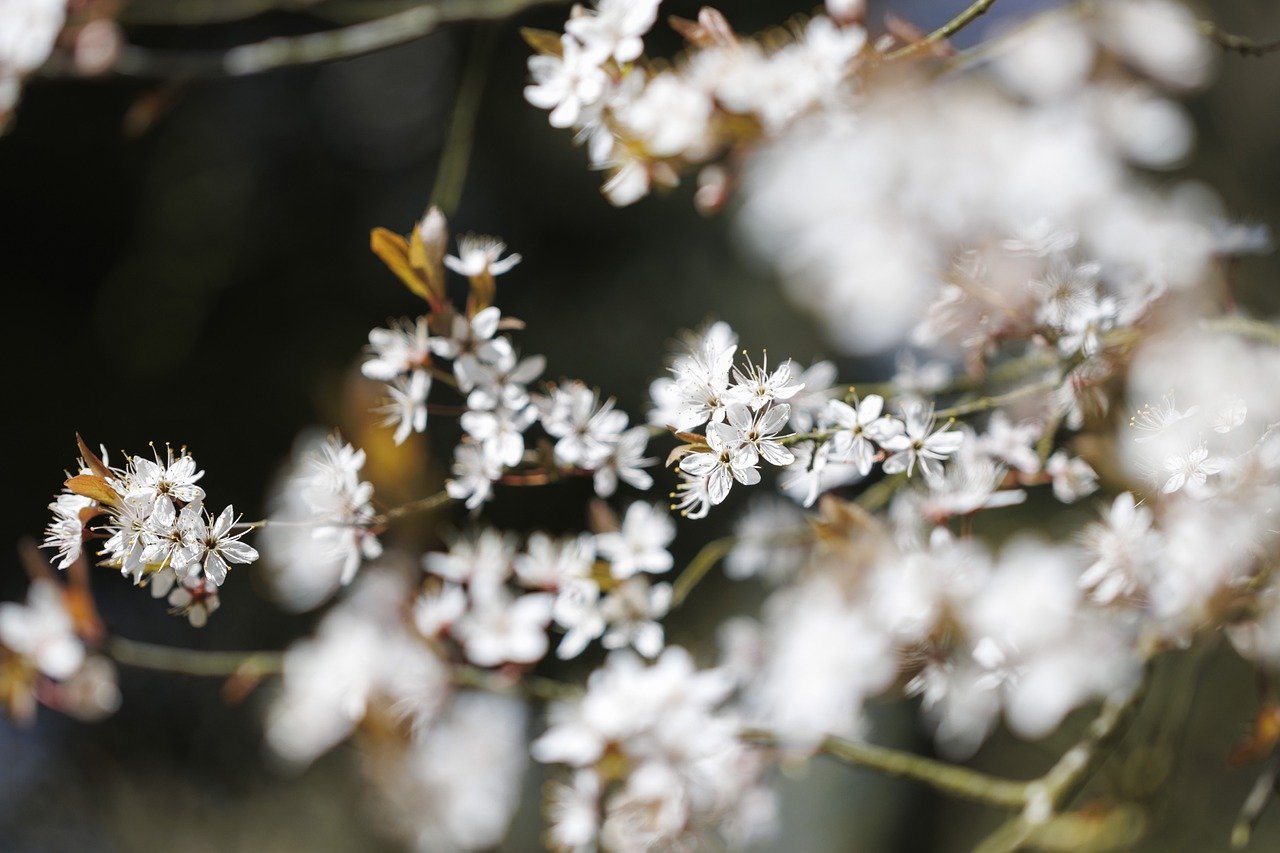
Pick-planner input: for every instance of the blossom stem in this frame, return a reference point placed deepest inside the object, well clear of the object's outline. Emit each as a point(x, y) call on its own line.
point(426, 504)
point(193, 661)
point(442, 376)
point(944, 32)
point(448, 411)
point(285, 51)
point(219, 664)
point(1260, 795)
point(702, 562)
point(948, 778)
point(1253, 330)
point(995, 401)
point(1242, 45)
point(455, 157)
point(535, 687)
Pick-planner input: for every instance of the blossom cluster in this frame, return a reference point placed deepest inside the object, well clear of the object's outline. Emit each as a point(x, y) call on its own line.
point(745, 409)
point(653, 760)
point(589, 586)
point(591, 435)
point(154, 527)
point(321, 525)
point(1038, 146)
point(46, 654)
point(1064, 350)
point(644, 124)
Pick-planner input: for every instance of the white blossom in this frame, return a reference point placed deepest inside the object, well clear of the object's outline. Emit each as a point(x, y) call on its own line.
point(640, 544)
point(479, 255)
point(568, 83)
point(613, 29)
point(920, 444)
point(43, 631)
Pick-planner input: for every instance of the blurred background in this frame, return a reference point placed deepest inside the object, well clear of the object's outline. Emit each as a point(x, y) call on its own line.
point(188, 262)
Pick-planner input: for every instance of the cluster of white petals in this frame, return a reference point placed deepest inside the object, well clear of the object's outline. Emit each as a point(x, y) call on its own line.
point(643, 126)
point(744, 412)
point(155, 526)
point(653, 760)
point(44, 652)
point(591, 435)
point(319, 531)
point(499, 605)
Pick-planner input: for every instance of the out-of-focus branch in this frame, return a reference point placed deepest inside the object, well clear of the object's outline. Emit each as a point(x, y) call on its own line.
point(703, 562)
point(455, 157)
point(1242, 45)
point(199, 662)
point(944, 32)
point(1046, 795)
point(216, 664)
point(189, 13)
point(282, 52)
point(1038, 799)
point(1253, 330)
point(1260, 796)
point(948, 778)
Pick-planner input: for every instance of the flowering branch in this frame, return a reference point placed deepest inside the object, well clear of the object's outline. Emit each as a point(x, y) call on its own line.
point(944, 32)
point(1038, 797)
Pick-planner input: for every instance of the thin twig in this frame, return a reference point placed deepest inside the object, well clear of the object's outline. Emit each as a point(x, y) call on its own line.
point(944, 32)
point(1245, 327)
point(534, 686)
point(1260, 796)
point(949, 778)
point(219, 664)
point(1242, 45)
point(199, 662)
point(995, 401)
point(455, 157)
point(426, 504)
point(189, 13)
point(285, 51)
point(702, 562)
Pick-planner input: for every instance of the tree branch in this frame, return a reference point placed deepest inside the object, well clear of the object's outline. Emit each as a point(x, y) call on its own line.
point(199, 662)
point(1046, 795)
point(944, 32)
point(1242, 45)
point(455, 157)
point(948, 778)
point(285, 51)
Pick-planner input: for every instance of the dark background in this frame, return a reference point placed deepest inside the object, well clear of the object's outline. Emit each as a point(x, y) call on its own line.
point(189, 263)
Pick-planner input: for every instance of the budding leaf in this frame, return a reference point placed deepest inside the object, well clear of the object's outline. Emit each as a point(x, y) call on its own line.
point(543, 41)
point(393, 250)
point(93, 486)
point(91, 459)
